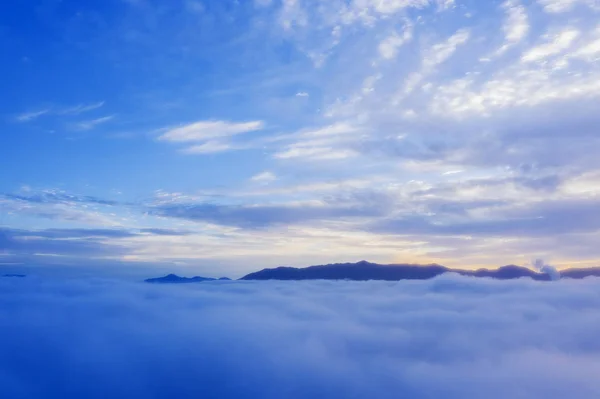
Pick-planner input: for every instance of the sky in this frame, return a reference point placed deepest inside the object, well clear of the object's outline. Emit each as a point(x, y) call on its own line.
point(450, 337)
point(219, 137)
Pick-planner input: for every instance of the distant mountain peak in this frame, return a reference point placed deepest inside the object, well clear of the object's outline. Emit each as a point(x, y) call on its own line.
point(175, 279)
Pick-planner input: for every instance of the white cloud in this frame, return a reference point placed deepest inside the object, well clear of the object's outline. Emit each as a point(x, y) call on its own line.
point(558, 6)
point(516, 26)
point(292, 14)
point(264, 177)
point(440, 52)
point(590, 50)
point(556, 44)
point(309, 152)
point(434, 56)
point(75, 110)
point(205, 130)
point(452, 172)
point(81, 108)
point(92, 123)
point(29, 116)
point(542, 75)
point(209, 147)
point(450, 337)
point(323, 143)
point(331, 130)
point(388, 47)
point(370, 11)
point(302, 94)
point(318, 27)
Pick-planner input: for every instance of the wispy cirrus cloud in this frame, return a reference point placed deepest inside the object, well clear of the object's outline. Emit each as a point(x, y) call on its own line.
point(59, 111)
point(92, 123)
point(214, 136)
point(80, 108)
point(206, 130)
point(210, 147)
point(32, 115)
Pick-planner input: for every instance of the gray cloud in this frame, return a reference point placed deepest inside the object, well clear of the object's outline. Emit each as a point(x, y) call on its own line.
point(57, 197)
point(79, 243)
point(534, 219)
point(247, 216)
point(60, 243)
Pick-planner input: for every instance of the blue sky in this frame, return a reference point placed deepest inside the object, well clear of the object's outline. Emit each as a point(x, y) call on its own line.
point(221, 137)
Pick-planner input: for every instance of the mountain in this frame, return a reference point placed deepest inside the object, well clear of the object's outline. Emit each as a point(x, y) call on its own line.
point(505, 273)
point(350, 271)
point(175, 279)
point(580, 273)
point(14, 275)
point(364, 270)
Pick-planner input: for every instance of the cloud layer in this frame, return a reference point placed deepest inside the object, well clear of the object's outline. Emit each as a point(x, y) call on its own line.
point(306, 132)
point(450, 337)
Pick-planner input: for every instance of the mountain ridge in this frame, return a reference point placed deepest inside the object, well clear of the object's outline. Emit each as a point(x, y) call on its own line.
point(364, 271)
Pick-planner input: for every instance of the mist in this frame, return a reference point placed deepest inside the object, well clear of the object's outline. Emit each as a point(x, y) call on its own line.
point(450, 337)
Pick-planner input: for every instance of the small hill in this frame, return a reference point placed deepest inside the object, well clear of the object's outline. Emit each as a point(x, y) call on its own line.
point(175, 279)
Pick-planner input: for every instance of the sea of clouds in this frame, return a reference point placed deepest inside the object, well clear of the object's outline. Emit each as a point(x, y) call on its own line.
point(451, 337)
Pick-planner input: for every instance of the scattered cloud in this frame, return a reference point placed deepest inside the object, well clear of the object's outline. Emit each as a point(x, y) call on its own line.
point(434, 56)
point(210, 147)
point(322, 143)
point(30, 116)
point(262, 216)
point(388, 48)
point(69, 111)
point(516, 26)
point(61, 206)
point(559, 6)
point(264, 178)
point(206, 130)
point(214, 136)
point(556, 44)
point(92, 123)
point(80, 109)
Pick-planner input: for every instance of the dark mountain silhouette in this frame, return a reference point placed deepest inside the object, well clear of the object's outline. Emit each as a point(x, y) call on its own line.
point(350, 271)
point(580, 273)
point(175, 279)
point(505, 273)
point(14, 275)
point(364, 270)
